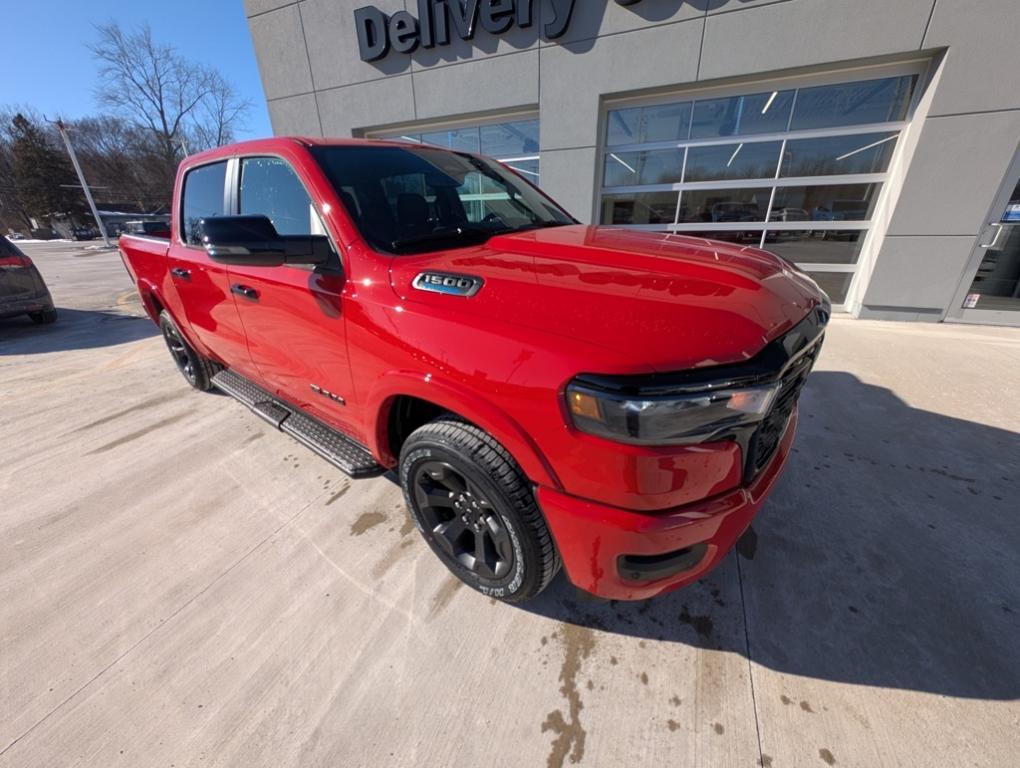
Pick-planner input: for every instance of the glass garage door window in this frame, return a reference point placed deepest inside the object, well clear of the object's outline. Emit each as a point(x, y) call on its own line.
point(514, 142)
point(799, 171)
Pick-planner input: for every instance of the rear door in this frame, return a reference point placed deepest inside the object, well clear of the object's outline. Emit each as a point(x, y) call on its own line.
point(293, 316)
point(202, 286)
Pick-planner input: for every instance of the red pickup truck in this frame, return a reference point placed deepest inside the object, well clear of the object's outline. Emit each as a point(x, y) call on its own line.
point(619, 402)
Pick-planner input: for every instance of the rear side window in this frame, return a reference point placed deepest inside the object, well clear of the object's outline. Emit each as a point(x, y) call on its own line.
point(7, 248)
point(203, 198)
point(270, 187)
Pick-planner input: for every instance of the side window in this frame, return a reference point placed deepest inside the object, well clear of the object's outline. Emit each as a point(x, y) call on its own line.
point(203, 198)
point(7, 248)
point(269, 187)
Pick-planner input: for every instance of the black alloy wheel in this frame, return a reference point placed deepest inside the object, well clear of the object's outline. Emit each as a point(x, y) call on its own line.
point(179, 352)
point(44, 316)
point(197, 371)
point(462, 521)
point(476, 510)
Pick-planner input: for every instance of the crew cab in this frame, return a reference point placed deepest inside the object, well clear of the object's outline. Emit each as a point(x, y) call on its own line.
point(546, 392)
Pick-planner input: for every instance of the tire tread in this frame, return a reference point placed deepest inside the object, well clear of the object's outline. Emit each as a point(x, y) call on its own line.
point(205, 369)
point(489, 454)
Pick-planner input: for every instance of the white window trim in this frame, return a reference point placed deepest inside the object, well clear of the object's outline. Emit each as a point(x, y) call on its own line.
point(767, 183)
point(760, 138)
point(449, 124)
point(395, 132)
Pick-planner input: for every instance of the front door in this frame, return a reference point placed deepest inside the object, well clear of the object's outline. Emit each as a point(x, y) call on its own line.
point(293, 315)
point(990, 292)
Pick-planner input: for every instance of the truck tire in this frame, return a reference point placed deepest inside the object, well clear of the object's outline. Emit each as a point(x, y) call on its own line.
point(44, 316)
point(195, 369)
point(476, 510)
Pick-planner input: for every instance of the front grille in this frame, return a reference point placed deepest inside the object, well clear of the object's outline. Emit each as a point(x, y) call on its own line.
point(766, 438)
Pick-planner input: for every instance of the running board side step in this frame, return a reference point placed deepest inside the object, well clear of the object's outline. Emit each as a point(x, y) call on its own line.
point(338, 449)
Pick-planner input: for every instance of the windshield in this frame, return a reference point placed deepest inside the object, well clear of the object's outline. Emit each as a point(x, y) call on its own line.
point(414, 199)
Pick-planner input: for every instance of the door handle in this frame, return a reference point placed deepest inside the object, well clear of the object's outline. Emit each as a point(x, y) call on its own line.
point(994, 245)
point(246, 291)
point(181, 272)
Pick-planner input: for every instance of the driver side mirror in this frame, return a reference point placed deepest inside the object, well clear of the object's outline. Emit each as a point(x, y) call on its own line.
point(252, 241)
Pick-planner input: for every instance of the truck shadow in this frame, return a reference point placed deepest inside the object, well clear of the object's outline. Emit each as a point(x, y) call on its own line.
point(74, 329)
point(888, 555)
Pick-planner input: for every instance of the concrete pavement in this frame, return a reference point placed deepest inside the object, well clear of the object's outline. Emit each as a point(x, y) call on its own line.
point(180, 585)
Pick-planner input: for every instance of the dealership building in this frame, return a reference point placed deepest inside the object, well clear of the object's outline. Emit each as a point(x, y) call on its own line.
point(872, 142)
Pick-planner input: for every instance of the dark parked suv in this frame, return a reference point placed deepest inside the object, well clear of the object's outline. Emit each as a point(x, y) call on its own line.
point(22, 290)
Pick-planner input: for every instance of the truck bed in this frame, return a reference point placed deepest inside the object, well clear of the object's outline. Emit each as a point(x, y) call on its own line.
point(145, 258)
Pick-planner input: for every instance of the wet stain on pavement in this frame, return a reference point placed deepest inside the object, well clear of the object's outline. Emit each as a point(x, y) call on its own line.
point(765, 761)
point(391, 557)
point(827, 756)
point(152, 402)
point(644, 678)
point(703, 625)
point(338, 494)
point(366, 522)
point(785, 699)
point(806, 707)
point(578, 643)
point(673, 725)
point(718, 728)
point(445, 594)
point(140, 433)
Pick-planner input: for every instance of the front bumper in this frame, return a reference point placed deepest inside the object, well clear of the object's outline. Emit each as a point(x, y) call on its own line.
point(592, 538)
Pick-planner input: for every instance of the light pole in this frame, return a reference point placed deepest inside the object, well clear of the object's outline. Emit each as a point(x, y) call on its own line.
point(81, 178)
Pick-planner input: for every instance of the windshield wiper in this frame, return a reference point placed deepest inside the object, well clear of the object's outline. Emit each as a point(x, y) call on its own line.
point(543, 225)
point(449, 233)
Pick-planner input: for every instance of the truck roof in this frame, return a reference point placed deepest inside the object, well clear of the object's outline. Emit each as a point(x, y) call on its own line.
point(267, 144)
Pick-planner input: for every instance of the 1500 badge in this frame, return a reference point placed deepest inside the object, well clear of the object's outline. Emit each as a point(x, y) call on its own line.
point(451, 285)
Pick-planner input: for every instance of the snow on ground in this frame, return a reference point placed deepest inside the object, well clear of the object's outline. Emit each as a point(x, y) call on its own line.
point(30, 240)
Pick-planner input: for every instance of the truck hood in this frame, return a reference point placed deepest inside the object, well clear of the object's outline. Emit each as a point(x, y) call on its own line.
point(666, 302)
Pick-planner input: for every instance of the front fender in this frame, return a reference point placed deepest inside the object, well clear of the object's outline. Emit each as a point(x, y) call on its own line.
point(462, 402)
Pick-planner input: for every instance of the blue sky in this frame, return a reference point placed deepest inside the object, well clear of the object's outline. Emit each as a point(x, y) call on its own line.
point(46, 64)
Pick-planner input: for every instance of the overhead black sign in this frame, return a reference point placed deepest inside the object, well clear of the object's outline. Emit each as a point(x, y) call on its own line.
point(437, 20)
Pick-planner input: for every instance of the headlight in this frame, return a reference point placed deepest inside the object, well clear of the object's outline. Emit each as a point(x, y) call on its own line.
point(671, 419)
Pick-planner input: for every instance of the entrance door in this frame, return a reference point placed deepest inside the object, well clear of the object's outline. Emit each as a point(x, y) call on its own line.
point(990, 292)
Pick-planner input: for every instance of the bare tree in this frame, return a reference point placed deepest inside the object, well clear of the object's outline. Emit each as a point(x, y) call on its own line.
point(219, 114)
point(12, 212)
point(122, 161)
point(175, 99)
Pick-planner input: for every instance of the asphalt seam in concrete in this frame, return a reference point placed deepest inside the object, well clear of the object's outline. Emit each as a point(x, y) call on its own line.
point(750, 665)
point(162, 623)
